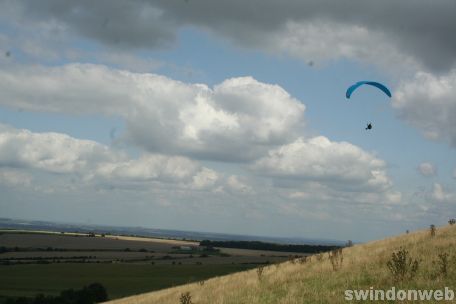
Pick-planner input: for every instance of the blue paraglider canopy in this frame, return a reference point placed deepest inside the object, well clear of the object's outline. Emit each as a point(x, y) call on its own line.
point(378, 85)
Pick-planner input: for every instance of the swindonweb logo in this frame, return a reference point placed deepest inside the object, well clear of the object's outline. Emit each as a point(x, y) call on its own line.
point(392, 294)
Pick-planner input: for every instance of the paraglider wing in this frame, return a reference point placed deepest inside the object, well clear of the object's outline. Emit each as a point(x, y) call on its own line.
point(378, 85)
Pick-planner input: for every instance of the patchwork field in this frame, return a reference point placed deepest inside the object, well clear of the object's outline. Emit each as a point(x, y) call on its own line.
point(48, 262)
point(82, 241)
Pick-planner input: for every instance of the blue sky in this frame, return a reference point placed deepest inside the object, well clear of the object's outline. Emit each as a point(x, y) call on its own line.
point(161, 115)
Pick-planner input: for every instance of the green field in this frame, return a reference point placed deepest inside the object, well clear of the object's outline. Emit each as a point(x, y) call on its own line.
point(120, 280)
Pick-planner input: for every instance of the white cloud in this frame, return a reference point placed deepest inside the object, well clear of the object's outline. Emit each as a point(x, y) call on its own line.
point(427, 169)
point(14, 177)
point(205, 178)
point(33, 159)
point(237, 120)
point(149, 168)
point(91, 162)
point(317, 169)
point(394, 197)
point(319, 159)
point(319, 41)
point(51, 152)
point(441, 195)
point(427, 102)
point(236, 185)
point(299, 195)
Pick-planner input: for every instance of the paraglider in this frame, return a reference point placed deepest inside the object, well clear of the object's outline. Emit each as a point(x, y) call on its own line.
point(378, 85)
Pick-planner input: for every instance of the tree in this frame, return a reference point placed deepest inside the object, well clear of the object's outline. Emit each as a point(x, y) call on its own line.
point(98, 292)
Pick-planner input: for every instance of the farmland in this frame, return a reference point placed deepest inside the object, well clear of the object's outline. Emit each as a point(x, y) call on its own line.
point(49, 262)
point(120, 279)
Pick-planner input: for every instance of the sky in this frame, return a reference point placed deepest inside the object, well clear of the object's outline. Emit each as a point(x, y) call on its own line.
point(229, 116)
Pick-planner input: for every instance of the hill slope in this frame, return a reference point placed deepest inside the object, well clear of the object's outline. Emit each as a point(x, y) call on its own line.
point(315, 281)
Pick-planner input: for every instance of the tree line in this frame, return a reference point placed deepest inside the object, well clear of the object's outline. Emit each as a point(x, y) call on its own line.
point(93, 293)
point(257, 245)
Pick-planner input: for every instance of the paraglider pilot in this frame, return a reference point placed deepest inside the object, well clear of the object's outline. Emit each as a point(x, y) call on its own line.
point(369, 126)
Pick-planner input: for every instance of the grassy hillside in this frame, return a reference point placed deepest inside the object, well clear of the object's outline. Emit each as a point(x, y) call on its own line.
point(316, 281)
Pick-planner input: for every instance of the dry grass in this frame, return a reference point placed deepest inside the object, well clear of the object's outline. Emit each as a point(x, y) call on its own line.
point(153, 240)
point(316, 282)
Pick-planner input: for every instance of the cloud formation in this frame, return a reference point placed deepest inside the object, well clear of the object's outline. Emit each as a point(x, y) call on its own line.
point(14, 178)
point(427, 102)
point(306, 170)
point(43, 160)
point(237, 120)
point(319, 159)
point(408, 28)
point(318, 169)
point(51, 152)
point(394, 37)
point(57, 153)
point(427, 169)
point(442, 195)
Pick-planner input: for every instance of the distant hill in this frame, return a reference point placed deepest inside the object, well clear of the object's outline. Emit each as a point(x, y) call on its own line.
point(421, 262)
point(6, 223)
